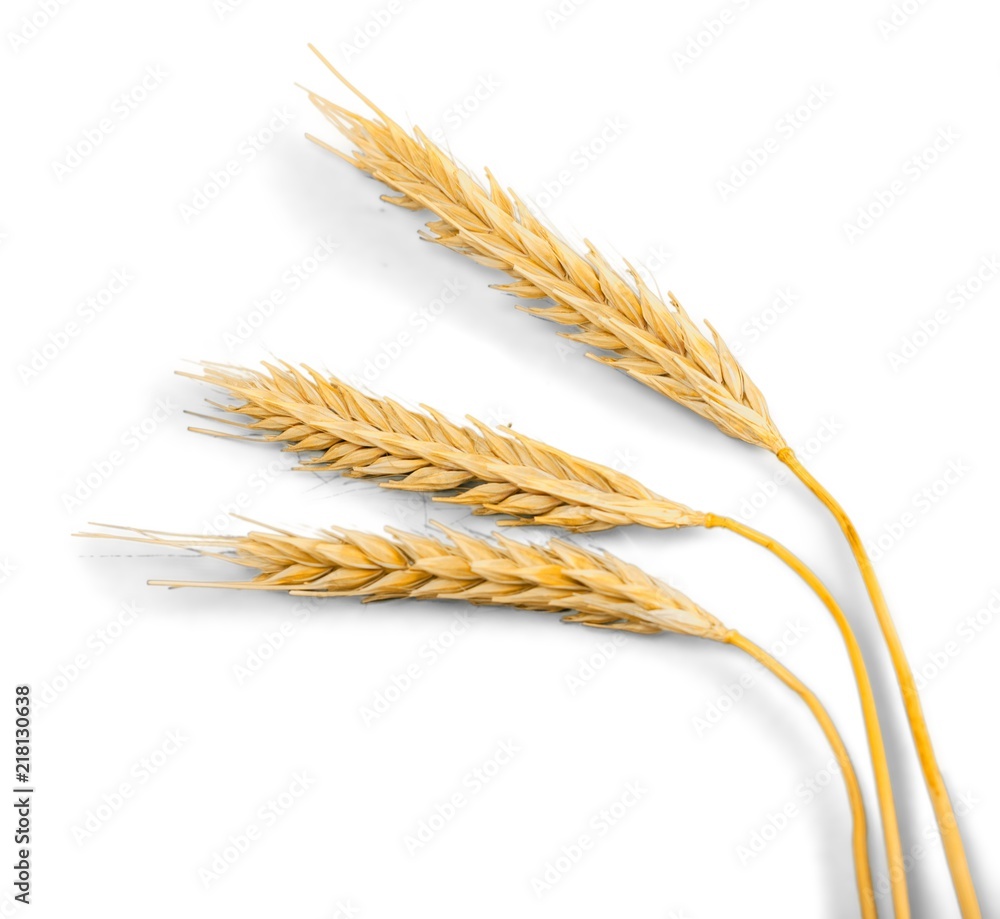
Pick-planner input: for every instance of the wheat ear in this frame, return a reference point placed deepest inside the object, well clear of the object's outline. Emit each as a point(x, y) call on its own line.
point(490, 471)
point(592, 589)
point(652, 341)
point(362, 435)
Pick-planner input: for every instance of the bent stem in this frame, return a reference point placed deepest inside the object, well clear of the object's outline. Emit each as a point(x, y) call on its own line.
point(951, 837)
point(876, 741)
point(862, 867)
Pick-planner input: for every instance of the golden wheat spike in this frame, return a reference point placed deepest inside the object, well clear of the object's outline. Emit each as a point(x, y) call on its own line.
point(594, 589)
point(492, 471)
point(649, 339)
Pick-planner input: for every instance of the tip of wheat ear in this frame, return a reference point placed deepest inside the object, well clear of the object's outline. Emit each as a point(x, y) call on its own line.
point(593, 589)
point(490, 471)
point(653, 341)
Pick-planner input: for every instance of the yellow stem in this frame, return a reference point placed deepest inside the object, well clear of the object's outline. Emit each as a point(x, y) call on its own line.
point(951, 837)
point(862, 868)
point(876, 742)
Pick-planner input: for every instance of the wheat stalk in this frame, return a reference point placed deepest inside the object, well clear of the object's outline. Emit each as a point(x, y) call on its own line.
point(588, 588)
point(653, 341)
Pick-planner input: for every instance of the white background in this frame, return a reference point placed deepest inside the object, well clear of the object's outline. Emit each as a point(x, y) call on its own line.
point(547, 82)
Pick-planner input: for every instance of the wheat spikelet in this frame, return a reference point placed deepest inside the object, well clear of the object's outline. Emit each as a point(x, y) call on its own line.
point(493, 472)
point(598, 590)
point(652, 341)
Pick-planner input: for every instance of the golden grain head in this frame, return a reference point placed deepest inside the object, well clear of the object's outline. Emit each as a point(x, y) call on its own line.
point(593, 589)
point(644, 336)
point(490, 471)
